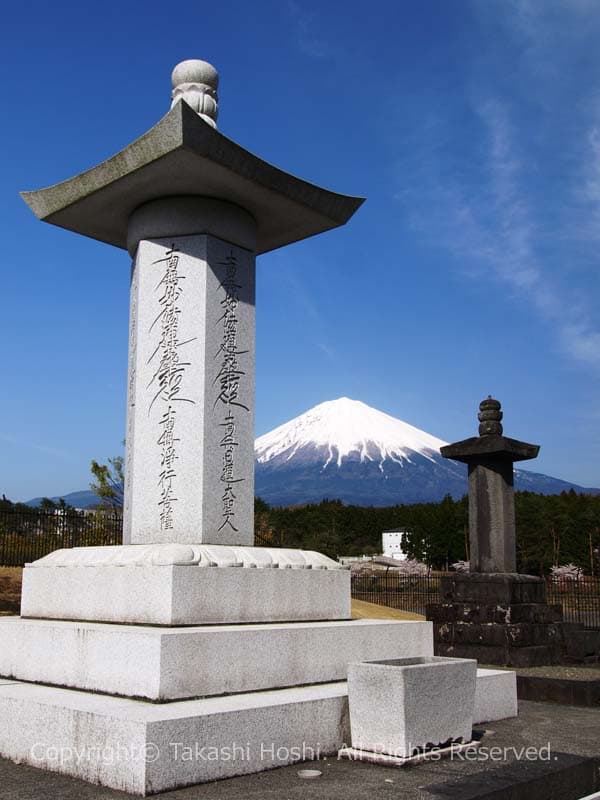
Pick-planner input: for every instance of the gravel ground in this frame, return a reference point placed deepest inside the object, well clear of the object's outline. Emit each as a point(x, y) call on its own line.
point(561, 732)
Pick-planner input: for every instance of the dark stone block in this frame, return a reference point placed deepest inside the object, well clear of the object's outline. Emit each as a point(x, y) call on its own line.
point(551, 633)
point(441, 612)
point(443, 633)
point(467, 613)
point(497, 635)
point(482, 653)
point(501, 654)
point(535, 612)
point(521, 634)
point(489, 635)
point(503, 588)
point(558, 690)
point(482, 614)
point(581, 644)
point(535, 656)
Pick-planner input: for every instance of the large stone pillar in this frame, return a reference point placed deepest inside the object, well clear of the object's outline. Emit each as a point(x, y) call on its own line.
point(190, 407)
point(193, 209)
point(492, 517)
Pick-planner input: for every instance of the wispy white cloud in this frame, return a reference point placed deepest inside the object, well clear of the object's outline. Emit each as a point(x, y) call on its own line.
point(592, 183)
point(548, 30)
point(582, 341)
point(328, 350)
point(511, 237)
point(498, 217)
point(309, 40)
point(585, 220)
point(495, 228)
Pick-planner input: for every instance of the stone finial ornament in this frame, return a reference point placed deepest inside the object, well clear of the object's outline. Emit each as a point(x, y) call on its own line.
point(490, 417)
point(196, 82)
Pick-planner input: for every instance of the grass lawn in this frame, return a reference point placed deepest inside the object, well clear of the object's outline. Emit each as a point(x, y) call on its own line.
point(362, 610)
point(10, 589)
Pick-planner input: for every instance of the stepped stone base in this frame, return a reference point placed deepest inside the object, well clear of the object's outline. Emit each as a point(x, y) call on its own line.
point(476, 614)
point(144, 748)
point(185, 585)
point(498, 619)
point(189, 687)
point(163, 664)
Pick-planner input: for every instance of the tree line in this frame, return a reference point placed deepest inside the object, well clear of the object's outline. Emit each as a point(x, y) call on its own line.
point(551, 530)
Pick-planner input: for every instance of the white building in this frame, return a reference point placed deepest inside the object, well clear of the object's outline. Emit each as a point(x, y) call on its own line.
point(391, 543)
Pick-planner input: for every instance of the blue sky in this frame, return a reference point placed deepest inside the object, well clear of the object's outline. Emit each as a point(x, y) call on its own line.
point(472, 127)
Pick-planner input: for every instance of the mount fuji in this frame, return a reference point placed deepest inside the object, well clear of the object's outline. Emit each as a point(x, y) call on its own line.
point(344, 449)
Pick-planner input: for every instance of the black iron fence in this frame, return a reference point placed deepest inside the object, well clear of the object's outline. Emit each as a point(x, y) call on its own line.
point(404, 592)
point(580, 599)
point(28, 535)
point(273, 540)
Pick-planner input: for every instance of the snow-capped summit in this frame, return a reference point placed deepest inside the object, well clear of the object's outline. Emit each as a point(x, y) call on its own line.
point(344, 428)
point(346, 450)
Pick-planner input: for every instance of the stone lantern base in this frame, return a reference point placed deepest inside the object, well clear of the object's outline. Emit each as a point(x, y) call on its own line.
point(499, 618)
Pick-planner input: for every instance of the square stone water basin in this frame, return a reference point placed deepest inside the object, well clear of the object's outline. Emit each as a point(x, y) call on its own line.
point(405, 706)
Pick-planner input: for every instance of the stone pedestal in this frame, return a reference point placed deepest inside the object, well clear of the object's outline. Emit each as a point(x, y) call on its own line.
point(498, 619)
point(149, 707)
point(177, 585)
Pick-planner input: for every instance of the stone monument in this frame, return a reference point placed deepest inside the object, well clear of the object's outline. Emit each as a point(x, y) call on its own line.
point(187, 655)
point(493, 613)
point(490, 457)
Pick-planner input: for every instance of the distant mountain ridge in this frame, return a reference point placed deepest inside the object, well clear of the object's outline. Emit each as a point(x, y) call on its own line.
point(346, 450)
point(83, 499)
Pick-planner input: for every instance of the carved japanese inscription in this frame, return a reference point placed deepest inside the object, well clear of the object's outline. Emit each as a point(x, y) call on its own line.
point(190, 429)
point(228, 380)
point(166, 384)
